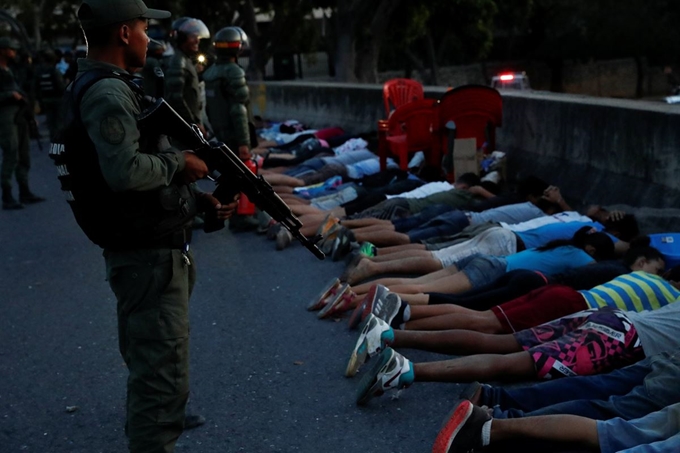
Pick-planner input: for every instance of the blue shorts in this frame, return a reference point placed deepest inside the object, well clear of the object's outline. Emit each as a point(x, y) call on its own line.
point(482, 269)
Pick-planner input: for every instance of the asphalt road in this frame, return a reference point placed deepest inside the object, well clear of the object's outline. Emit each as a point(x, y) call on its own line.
point(266, 374)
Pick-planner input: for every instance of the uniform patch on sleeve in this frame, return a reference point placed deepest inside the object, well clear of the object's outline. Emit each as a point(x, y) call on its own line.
point(112, 130)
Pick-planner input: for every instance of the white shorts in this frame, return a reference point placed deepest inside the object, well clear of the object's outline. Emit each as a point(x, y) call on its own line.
point(496, 241)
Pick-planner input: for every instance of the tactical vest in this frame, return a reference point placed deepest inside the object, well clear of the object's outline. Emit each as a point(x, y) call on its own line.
point(115, 220)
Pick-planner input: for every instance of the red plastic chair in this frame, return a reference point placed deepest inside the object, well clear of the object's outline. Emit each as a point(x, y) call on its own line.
point(476, 110)
point(397, 92)
point(409, 129)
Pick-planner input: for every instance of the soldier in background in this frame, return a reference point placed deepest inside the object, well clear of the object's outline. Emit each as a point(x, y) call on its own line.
point(154, 59)
point(16, 109)
point(228, 104)
point(181, 79)
point(49, 89)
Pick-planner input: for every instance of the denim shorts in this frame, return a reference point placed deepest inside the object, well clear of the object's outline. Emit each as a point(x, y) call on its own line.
point(482, 269)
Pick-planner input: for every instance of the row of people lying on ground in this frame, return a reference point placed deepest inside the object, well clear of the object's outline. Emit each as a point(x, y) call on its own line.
point(554, 331)
point(510, 341)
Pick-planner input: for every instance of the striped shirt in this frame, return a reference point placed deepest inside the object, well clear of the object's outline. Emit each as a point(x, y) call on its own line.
point(637, 291)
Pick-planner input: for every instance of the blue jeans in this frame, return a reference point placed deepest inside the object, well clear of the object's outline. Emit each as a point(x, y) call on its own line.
point(656, 432)
point(416, 220)
point(451, 222)
point(620, 393)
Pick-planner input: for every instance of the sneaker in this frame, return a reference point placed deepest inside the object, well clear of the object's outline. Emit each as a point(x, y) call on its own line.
point(375, 336)
point(326, 225)
point(391, 371)
point(326, 244)
point(328, 289)
point(387, 308)
point(343, 292)
point(273, 230)
point(283, 239)
point(193, 421)
point(381, 291)
point(462, 430)
point(342, 245)
point(368, 249)
point(358, 314)
point(469, 392)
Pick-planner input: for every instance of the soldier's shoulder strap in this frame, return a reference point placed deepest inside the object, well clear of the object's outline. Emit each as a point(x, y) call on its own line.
point(79, 87)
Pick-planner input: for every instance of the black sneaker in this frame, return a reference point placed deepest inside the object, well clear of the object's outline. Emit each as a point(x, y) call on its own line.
point(193, 421)
point(462, 430)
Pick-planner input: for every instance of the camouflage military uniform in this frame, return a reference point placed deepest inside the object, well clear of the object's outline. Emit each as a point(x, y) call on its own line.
point(182, 89)
point(16, 158)
point(227, 103)
point(152, 285)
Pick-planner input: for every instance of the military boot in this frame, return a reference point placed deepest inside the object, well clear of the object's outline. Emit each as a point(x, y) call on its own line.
point(8, 201)
point(28, 197)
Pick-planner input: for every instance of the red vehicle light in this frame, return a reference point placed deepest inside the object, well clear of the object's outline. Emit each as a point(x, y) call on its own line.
point(507, 77)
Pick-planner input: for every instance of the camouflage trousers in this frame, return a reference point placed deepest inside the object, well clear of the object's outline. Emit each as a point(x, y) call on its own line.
point(15, 142)
point(153, 287)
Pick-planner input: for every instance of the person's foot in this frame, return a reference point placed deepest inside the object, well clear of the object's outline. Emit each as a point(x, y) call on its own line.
point(391, 371)
point(11, 204)
point(362, 310)
point(472, 392)
point(338, 303)
point(319, 300)
point(30, 198)
point(354, 261)
point(326, 225)
point(361, 272)
point(283, 238)
point(390, 309)
point(273, 230)
point(466, 429)
point(328, 239)
point(375, 336)
point(342, 244)
point(193, 421)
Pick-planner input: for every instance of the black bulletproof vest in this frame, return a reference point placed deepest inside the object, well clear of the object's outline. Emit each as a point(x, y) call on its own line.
point(113, 220)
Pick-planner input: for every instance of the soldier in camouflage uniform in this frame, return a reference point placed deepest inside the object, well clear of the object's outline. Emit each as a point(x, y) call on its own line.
point(228, 102)
point(14, 139)
point(49, 90)
point(181, 79)
point(131, 194)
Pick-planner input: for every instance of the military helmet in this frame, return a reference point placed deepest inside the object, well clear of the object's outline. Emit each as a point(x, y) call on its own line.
point(185, 26)
point(230, 41)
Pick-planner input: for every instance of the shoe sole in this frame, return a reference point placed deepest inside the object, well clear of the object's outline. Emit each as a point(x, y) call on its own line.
point(389, 309)
point(359, 355)
point(369, 386)
point(317, 302)
point(358, 313)
point(325, 311)
point(370, 303)
point(454, 422)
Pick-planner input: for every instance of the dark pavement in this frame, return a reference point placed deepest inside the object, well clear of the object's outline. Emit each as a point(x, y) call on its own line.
point(266, 374)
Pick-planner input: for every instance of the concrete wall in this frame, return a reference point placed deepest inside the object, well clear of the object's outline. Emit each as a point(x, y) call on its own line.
point(598, 150)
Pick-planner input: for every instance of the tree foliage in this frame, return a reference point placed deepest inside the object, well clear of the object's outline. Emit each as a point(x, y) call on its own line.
point(363, 37)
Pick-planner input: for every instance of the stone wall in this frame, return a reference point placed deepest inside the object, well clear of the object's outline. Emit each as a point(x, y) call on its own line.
point(599, 150)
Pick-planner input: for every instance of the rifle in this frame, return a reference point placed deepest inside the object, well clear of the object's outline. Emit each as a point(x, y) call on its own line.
point(227, 170)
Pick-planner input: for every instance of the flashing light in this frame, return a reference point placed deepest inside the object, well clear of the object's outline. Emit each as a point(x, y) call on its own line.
point(201, 59)
point(507, 77)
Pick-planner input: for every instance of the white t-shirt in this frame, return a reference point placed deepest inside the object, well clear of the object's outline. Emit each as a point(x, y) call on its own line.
point(658, 329)
point(424, 190)
point(567, 216)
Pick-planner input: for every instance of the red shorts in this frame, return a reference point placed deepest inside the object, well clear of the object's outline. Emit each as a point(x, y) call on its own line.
point(539, 306)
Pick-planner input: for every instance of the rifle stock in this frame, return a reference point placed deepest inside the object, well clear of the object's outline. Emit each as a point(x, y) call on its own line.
point(230, 174)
